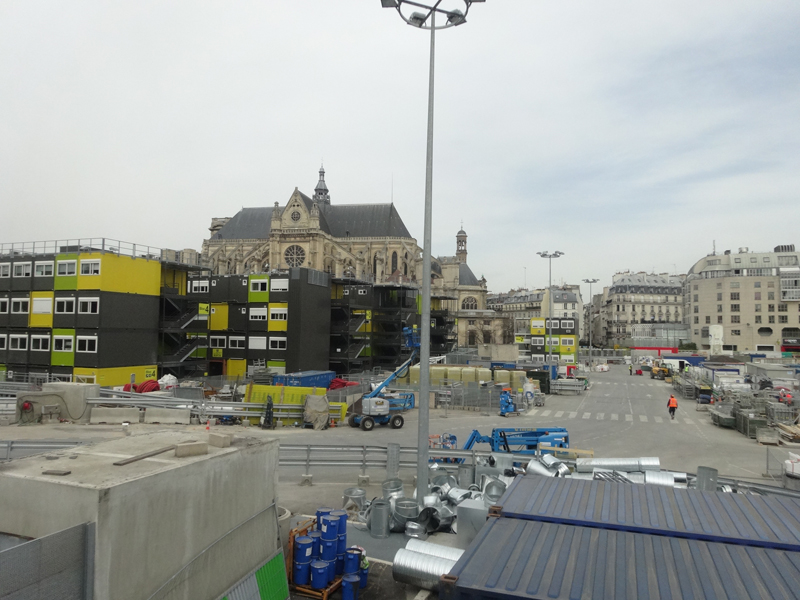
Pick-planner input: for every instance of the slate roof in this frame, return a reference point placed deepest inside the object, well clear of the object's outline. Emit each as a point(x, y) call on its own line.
point(466, 276)
point(355, 220)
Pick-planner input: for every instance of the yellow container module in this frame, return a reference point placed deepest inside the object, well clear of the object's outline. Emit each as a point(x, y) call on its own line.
point(469, 374)
point(291, 399)
point(518, 379)
point(484, 374)
point(502, 376)
point(413, 374)
point(454, 373)
point(438, 374)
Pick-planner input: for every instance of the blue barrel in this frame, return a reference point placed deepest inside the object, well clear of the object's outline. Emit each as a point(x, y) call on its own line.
point(352, 560)
point(322, 510)
point(301, 573)
point(315, 536)
point(319, 575)
point(339, 564)
point(341, 544)
point(303, 549)
point(351, 583)
point(364, 574)
point(327, 550)
point(342, 514)
point(329, 526)
point(331, 570)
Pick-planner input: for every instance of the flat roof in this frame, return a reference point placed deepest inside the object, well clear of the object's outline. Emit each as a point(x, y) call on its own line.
point(91, 466)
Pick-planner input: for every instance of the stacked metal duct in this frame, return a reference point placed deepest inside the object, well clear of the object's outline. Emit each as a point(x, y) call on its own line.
point(422, 564)
point(547, 465)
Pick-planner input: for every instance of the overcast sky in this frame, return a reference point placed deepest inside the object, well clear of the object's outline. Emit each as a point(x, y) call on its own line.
point(629, 135)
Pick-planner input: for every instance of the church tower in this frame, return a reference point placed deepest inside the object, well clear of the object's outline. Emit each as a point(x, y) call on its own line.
point(461, 246)
point(321, 194)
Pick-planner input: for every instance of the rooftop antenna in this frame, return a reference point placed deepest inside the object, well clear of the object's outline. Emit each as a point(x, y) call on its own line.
point(714, 247)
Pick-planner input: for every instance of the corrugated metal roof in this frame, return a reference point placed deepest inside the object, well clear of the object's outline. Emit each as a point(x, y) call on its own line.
point(767, 521)
point(516, 558)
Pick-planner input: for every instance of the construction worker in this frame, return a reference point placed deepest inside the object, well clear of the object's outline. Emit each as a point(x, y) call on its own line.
point(672, 405)
point(630, 370)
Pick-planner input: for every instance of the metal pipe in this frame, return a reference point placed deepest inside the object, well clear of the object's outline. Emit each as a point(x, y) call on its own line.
point(432, 549)
point(421, 570)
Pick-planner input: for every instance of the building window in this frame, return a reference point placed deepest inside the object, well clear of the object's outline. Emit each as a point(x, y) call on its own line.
point(770, 284)
point(783, 307)
point(43, 269)
point(696, 320)
point(2, 342)
point(62, 343)
point(568, 324)
point(552, 342)
point(736, 332)
point(469, 303)
point(278, 285)
point(259, 314)
point(735, 319)
point(3, 305)
point(695, 297)
point(770, 295)
point(278, 314)
point(766, 259)
point(5, 270)
point(259, 285)
point(22, 269)
point(20, 307)
point(770, 308)
point(757, 284)
point(90, 267)
point(236, 343)
point(757, 296)
point(471, 322)
point(17, 342)
point(294, 256)
point(567, 341)
point(277, 343)
point(757, 308)
point(537, 341)
point(719, 307)
point(719, 319)
point(734, 295)
point(708, 320)
point(734, 285)
point(758, 318)
point(487, 322)
point(65, 306)
point(87, 345)
point(66, 268)
point(42, 306)
point(753, 259)
point(783, 318)
point(199, 286)
point(88, 306)
point(695, 286)
point(40, 342)
point(216, 342)
point(696, 309)
point(734, 308)
point(772, 318)
point(719, 297)
point(257, 342)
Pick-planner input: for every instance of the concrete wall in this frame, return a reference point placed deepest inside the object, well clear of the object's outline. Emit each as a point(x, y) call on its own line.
point(74, 397)
point(148, 529)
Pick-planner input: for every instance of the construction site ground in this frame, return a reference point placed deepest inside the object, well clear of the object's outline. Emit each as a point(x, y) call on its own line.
point(618, 416)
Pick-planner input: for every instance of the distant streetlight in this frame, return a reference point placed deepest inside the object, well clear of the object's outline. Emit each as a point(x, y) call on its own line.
point(426, 19)
point(591, 309)
point(550, 257)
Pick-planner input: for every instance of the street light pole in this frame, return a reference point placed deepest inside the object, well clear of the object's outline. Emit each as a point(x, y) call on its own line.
point(550, 257)
point(427, 20)
point(591, 310)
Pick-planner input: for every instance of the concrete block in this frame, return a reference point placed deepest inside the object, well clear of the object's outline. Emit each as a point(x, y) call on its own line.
point(306, 479)
point(6, 420)
point(113, 416)
point(363, 480)
point(191, 449)
point(182, 416)
point(219, 440)
point(246, 423)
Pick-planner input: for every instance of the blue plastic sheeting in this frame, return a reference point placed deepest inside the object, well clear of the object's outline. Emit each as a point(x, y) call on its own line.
point(766, 521)
point(516, 558)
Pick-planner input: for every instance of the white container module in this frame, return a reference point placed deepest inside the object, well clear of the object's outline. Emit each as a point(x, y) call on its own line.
point(502, 376)
point(438, 374)
point(469, 374)
point(484, 374)
point(454, 373)
point(413, 374)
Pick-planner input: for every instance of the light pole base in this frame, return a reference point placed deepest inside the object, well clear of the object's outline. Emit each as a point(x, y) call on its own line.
point(363, 480)
point(306, 479)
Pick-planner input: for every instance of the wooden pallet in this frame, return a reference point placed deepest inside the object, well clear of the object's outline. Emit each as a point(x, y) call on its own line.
point(791, 433)
point(306, 590)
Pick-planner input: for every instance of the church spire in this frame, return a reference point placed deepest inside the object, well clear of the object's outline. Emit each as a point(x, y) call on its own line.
point(461, 245)
point(321, 194)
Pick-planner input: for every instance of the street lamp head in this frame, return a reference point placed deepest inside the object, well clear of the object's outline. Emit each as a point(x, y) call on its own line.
point(456, 17)
point(590, 281)
point(557, 253)
point(417, 19)
point(430, 9)
point(389, 3)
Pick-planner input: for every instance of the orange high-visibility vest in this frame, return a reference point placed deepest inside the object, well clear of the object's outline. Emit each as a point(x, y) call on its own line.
point(673, 403)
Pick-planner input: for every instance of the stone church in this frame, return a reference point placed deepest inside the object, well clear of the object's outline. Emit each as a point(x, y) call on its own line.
point(369, 242)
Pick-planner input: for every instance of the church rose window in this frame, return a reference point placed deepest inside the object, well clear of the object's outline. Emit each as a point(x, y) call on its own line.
point(295, 216)
point(295, 256)
point(469, 303)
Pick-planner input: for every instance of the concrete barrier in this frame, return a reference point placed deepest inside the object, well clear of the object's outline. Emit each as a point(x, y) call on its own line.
point(182, 416)
point(114, 416)
point(191, 449)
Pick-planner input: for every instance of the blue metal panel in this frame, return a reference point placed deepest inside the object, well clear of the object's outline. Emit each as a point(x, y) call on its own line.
point(765, 521)
point(517, 558)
